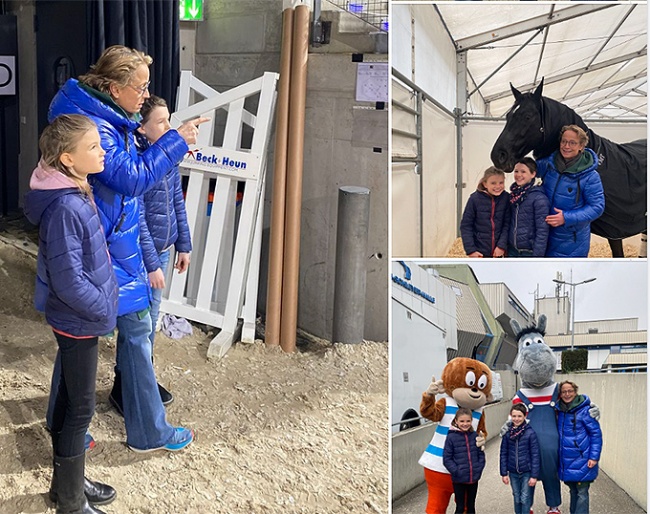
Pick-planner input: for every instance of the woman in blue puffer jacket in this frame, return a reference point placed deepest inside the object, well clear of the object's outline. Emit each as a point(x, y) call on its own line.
point(464, 460)
point(581, 442)
point(111, 94)
point(573, 187)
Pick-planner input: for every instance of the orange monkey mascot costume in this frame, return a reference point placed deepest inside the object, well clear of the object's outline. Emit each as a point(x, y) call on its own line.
point(465, 383)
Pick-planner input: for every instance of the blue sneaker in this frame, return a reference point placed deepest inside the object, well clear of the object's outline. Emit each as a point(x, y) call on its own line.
point(181, 438)
point(90, 441)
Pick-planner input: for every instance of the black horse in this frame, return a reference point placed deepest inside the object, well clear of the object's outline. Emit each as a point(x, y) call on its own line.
point(533, 124)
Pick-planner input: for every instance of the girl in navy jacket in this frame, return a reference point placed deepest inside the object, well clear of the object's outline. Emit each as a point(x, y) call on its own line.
point(464, 461)
point(77, 289)
point(485, 221)
point(520, 459)
point(529, 207)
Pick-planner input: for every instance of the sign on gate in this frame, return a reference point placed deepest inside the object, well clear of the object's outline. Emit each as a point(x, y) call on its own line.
point(221, 284)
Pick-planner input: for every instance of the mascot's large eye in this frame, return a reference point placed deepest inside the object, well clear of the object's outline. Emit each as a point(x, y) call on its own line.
point(482, 382)
point(539, 340)
point(470, 378)
point(527, 342)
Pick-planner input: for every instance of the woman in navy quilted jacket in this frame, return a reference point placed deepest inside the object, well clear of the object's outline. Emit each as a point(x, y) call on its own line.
point(163, 220)
point(528, 210)
point(464, 461)
point(485, 221)
point(76, 288)
point(581, 442)
point(111, 94)
point(572, 184)
point(519, 459)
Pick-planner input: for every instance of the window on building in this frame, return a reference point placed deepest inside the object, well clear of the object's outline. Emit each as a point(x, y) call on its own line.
point(593, 331)
point(457, 291)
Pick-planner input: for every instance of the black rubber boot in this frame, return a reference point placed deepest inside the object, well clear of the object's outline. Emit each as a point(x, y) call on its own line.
point(96, 492)
point(70, 486)
point(115, 397)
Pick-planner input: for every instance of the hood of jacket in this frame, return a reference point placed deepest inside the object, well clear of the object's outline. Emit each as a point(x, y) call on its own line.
point(47, 184)
point(76, 98)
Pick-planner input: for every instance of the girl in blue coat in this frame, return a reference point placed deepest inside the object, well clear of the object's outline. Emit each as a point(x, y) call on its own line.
point(575, 192)
point(76, 288)
point(485, 221)
point(464, 461)
point(519, 459)
point(581, 442)
point(528, 210)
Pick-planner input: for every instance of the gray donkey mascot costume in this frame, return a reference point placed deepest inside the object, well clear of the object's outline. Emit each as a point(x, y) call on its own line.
point(536, 366)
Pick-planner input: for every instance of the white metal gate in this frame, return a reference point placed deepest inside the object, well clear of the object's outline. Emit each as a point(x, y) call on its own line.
point(226, 238)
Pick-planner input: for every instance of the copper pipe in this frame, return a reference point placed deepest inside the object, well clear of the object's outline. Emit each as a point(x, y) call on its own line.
point(289, 321)
point(276, 236)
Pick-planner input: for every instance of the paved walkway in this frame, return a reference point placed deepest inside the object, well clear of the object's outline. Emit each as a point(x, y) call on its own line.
point(494, 497)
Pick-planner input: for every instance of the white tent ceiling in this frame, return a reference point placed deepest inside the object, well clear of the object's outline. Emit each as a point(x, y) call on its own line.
point(593, 57)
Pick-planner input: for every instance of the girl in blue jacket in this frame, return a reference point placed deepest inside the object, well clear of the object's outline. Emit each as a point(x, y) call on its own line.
point(572, 184)
point(464, 461)
point(163, 220)
point(528, 210)
point(76, 288)
point(519, 459)
point(485, 221)
point(581, 442)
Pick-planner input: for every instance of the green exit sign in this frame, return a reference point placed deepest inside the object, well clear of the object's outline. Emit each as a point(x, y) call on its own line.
point(191, 10)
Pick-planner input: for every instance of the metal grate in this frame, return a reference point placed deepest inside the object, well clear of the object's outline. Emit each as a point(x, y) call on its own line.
point(374, 12)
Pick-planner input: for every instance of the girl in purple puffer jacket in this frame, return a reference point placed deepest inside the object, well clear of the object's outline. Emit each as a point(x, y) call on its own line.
point(77, 289)
point(464, 461)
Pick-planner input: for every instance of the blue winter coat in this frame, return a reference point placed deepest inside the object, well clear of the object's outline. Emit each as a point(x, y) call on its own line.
point(485, 222)
point(528, 227)
point(462, 458)
point(580, 440)
point(163, 220)
point(75, 283)
point(520, 455)
point(126, 176)
point(580, 197)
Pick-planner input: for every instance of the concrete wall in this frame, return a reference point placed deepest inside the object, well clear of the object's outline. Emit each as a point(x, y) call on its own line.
point(622, 399)
point(240, 40)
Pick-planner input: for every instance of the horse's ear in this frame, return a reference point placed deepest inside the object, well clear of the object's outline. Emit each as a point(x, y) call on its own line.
point(515, 92)
point(541, 323)
point(516, 327)
point(538, 90)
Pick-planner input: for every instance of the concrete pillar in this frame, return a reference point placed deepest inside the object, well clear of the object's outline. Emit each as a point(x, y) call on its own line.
point(351, 261)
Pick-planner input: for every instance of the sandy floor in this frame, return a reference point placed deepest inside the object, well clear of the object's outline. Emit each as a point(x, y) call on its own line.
point(599, 247)
point(299, 433)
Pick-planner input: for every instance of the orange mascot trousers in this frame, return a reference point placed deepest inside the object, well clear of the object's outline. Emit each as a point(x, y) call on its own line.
point(440, 490)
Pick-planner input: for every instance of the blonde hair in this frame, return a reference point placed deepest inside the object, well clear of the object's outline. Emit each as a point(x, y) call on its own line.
point(490, 172)
point(582, 135)
point(116, 65)
point(61, 136)
point(573, 385)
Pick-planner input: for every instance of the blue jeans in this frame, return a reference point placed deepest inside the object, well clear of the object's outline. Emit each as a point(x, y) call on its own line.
point(156, 295)
point(513, 252)
point(579, 497)
point(74, 403)
point(144, 413)
point(521, 492)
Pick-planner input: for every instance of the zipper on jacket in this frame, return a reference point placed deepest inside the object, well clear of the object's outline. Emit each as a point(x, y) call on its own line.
point(516, 226)
point(469, 458)
point(169, 222)
point(493, 226)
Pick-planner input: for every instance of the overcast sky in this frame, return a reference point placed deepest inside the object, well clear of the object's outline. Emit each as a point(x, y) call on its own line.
point(619, 291)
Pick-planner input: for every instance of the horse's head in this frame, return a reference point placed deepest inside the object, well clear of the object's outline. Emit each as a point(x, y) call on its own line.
point(535, 360)
point(524, 130)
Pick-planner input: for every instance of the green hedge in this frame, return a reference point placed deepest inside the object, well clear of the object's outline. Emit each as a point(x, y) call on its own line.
point(575, 360)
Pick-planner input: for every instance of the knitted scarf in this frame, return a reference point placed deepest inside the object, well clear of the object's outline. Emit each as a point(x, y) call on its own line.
point(515, 432)
point(517, 193)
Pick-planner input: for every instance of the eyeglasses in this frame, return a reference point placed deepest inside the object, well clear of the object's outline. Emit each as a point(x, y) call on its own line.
point(565, 142)
point(571, 391)
point(142, 89)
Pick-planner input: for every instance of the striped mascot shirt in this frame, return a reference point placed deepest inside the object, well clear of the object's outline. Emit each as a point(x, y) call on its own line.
point(537, 397)
point(432, 456)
